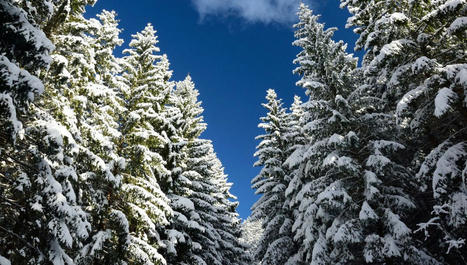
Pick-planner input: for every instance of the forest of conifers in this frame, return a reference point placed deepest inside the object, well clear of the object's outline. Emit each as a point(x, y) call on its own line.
point(102, 159)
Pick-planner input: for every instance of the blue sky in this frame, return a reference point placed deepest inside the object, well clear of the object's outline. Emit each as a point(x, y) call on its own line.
point(234, 50)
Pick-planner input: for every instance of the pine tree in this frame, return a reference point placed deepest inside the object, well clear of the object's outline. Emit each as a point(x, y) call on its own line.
point(414, 59)
point(296, 139)
point(48, 222)
point(79, 104)
point(201, 222)
point(100, 132)
point(276, 244)
point(354, 196)
point(193, 238)
point(85, 167)
point(436, 108)
point(325, 168)
point(251, 234)
point(24, 49)
point(187, 188)
point(295, 135)
point(432, 116)
point(378, 23)
point(232, 250)
point(91, 175)
point(146, 88)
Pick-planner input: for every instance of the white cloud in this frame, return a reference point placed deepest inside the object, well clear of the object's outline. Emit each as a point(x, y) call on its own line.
point(266, 11)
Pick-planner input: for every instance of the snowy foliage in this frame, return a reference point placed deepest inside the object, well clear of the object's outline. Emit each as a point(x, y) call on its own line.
point(365, 132)
point(275, 244)
point(87, 168)
point(251, 233)
point(101, 160)
point(204, 230)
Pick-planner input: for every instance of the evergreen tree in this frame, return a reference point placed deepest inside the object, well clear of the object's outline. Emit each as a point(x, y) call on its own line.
point(24, 50)
point(80, 104)
point(146, 88)
point(85, 169)
point(47, 223)
point(193, 238)
point(201, 225)
point(296, 140)
point(435, 110)
point(325, 168)
point(295, 119)
point(233, 251)
point(354, 197)
point(188, 189)
point(251, 234)
point(100, 132)
point(418, 68)
point(276, 244)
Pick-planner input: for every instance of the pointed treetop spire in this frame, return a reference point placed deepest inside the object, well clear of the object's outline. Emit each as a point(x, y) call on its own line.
point(144, 42)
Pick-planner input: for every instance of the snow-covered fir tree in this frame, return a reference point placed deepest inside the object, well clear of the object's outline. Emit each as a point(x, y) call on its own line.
point(188, 190)
point(64, 113)
point(82, 166)
point(102, 160)
point(354, 187)
point(276, 243)
point(192, 238)
point(326, 168)
point(233, 251)
point(437, 107)
point(252, 230)
point(86, 105)
point(24, 51)
point(145, 90)
point(54, 223)
point(100, 132)
point(415, 59)
point(295, 134)
point(203, 230)
point(296, 139)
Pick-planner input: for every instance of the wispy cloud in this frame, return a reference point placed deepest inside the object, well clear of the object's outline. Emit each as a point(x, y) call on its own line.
point(265, 11)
